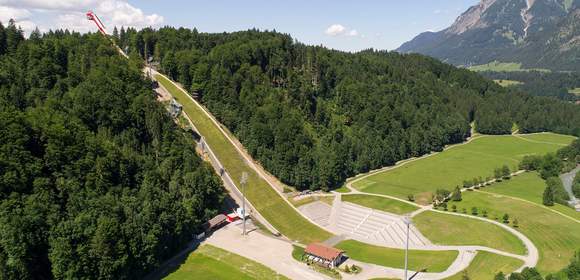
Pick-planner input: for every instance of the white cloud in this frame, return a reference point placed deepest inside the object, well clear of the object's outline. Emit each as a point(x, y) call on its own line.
point(339, 30)
point(70, 14)
point(335, 30)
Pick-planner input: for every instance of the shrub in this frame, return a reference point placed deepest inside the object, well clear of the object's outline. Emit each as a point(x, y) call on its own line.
point(474, 211)
point(411, 197)
point(506, 219)
point(454, 208)
point(484, 213)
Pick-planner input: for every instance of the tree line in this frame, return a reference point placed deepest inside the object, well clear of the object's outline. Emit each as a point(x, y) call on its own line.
point(551, 84)
point(96, 181)
point(315, 116)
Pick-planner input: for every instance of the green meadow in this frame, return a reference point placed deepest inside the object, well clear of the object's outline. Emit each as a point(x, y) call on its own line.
point(451, 167)
point(380, 203)
point(486, 265)
point(445, 229)
point(433, 261)
point(209, 263)
point(555, 236)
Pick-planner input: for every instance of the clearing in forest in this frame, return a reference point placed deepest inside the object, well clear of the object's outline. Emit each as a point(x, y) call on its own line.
point(450, 168)
point(433, 261)
point(486, 265)
point(507, 83)
point(209, 262)
point(266, 200)
point(555, 236)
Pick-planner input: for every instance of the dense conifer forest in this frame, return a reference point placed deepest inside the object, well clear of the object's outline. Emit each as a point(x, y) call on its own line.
point(314, 116)
point(555, 84)
point(96, 181)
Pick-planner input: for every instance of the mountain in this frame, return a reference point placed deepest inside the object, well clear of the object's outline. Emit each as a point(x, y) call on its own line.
point(535, 33)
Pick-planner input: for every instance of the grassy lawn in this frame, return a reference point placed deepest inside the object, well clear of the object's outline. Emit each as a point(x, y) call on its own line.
point(266, 200)
point(455, 230)
point(380, 203)
point(507, 83)
point(504, 67)
point(486, 265)
point(433, 261)
point(326, 199)
point(208, 262)
point(529, 186)
point(563, 140)
point(555, 236)
point(451, 167)
point(575, 91)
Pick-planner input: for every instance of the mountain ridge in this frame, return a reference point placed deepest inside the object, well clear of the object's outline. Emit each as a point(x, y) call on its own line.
point(536, 33)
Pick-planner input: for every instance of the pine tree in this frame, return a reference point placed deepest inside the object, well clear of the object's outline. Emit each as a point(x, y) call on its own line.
point(456, 194)
point(499, 276)
point(548, 197)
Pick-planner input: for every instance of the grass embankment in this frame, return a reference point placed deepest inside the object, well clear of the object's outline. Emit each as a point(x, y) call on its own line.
point(380, 203)
point(326, 199)
point(529, 186)
point(447, 229)
point(266, 200)
point(497, 66)
point(507, 83)
point(486, 265)
point(433, 261)
point(555, 236)
point(451, 167)
point(209, 262)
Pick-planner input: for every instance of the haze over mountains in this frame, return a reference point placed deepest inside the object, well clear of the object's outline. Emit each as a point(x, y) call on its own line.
point(536, 33)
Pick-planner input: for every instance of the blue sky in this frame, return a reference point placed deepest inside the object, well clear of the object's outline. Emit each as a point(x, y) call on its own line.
point(379, 24)
point(339, 24)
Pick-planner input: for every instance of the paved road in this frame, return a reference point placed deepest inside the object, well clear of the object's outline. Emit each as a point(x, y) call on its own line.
point(567, 180)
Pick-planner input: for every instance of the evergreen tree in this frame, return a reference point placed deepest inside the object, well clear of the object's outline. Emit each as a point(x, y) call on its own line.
point(456, 194)
point(499, 276)
point(548, 196)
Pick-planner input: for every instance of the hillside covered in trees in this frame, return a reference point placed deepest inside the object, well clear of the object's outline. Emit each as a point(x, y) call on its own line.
point(314, 116)
point(96, 181)
point(555, 84)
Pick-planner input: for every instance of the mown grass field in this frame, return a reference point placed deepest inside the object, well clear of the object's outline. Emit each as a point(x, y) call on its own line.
point(266, 200)
point(451, 167)
point(209, 263)
point(433, 261)
point(555, 236)
point(380, 203)
point(575, 91)
point(529, 186)
point(486, 265)
point(447, 229)
point(507, 83)
point(497, 66)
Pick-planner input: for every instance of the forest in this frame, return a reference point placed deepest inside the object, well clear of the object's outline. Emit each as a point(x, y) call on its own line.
point(554, 84)
point(315, 116)
point(96, 180)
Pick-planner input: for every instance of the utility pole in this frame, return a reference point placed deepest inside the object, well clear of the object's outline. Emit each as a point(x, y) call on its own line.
point(407, 222)
point(243, 183)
